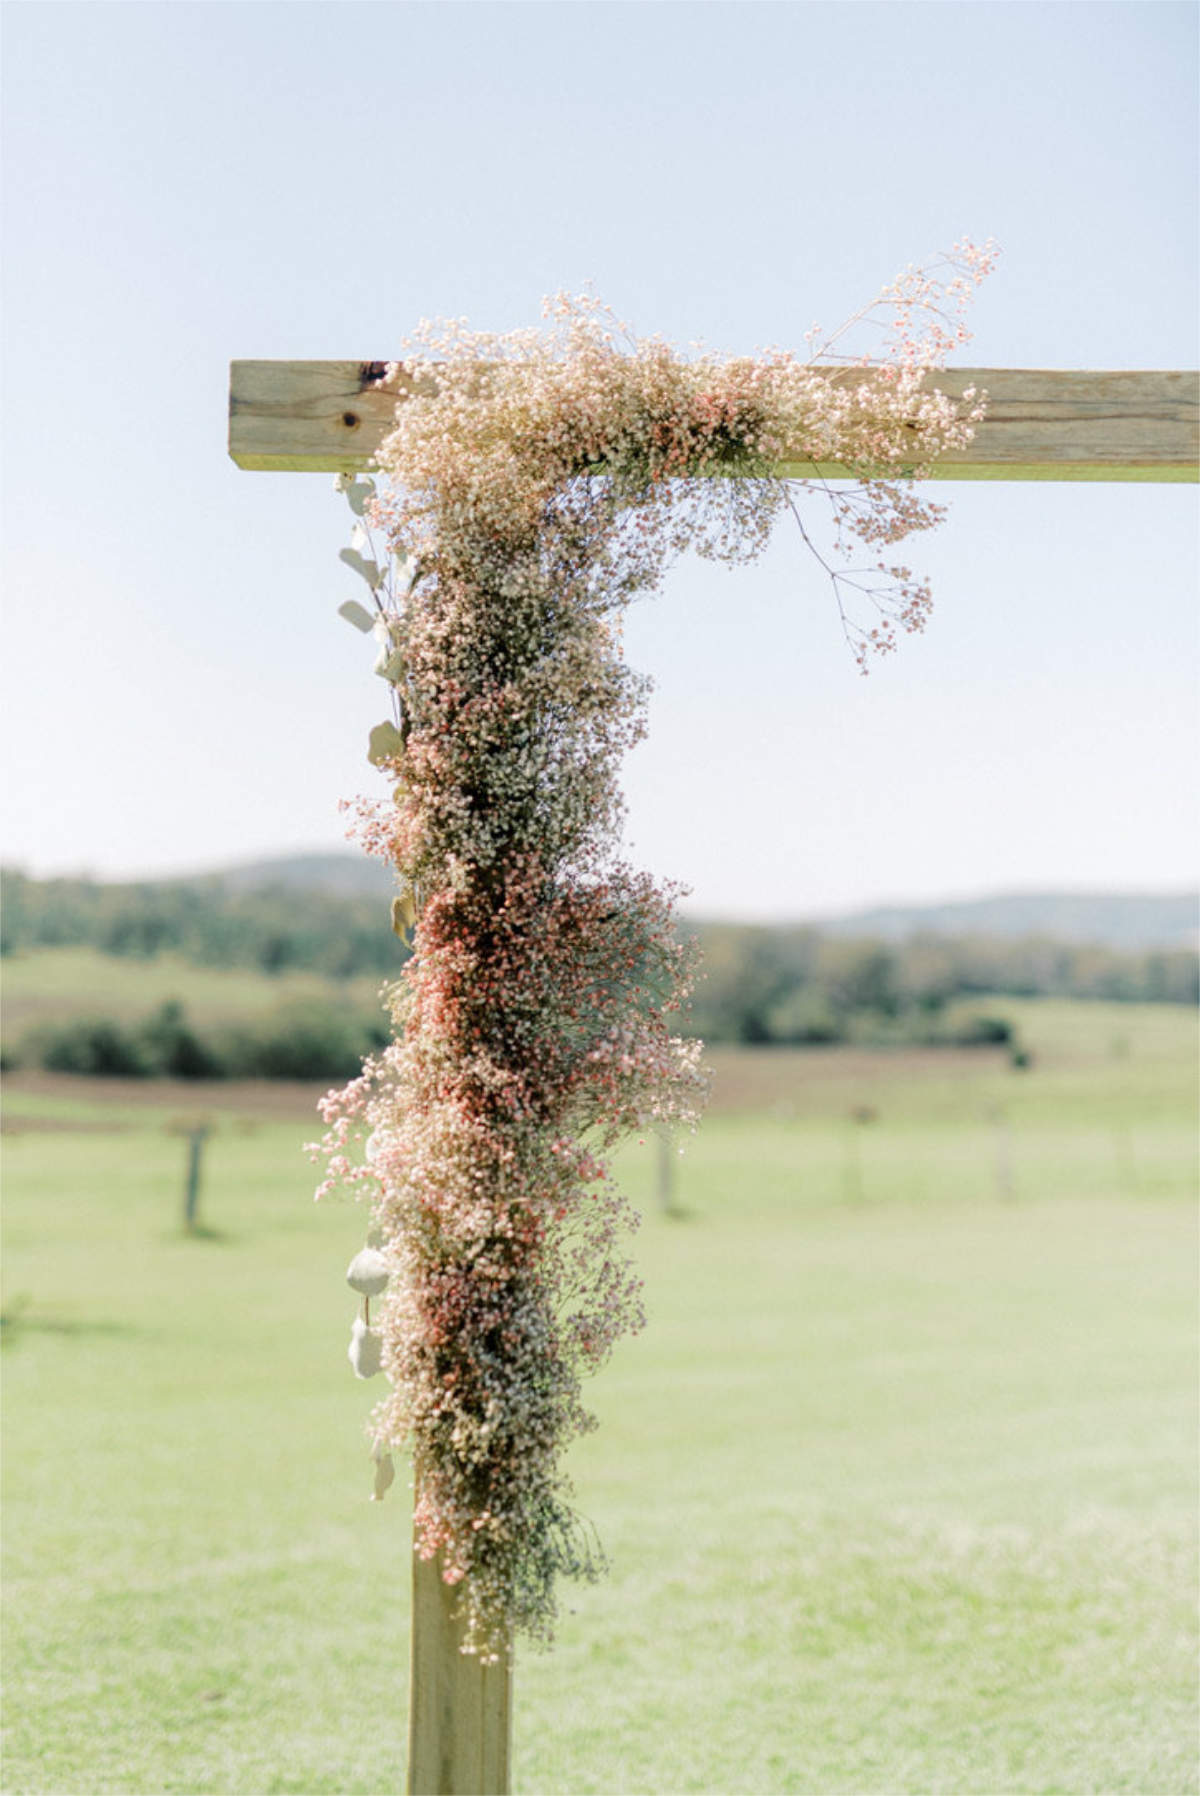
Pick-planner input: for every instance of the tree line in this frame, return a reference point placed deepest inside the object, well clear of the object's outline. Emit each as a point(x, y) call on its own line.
point(274, 930)
point(776, 984)
point(761, 984)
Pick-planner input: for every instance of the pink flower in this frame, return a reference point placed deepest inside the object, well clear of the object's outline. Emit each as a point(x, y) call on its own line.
point(532, 488)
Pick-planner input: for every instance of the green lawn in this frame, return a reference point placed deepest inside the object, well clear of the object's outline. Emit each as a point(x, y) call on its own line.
point(898, 1483)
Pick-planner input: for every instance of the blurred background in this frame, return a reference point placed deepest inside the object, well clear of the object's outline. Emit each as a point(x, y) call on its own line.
point(898, 1484)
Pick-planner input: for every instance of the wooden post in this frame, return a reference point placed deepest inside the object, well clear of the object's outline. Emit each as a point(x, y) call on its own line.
point(459, 1711)
point(860, 1116)
point(852, 1179)
point(1002, 1141)
point(191, 1197)
point(666, 1173)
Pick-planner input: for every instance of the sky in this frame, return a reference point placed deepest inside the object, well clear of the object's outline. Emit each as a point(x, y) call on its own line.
point(188, 183)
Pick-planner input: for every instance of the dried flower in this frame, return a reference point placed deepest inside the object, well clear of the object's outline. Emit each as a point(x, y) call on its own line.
point(532, 489)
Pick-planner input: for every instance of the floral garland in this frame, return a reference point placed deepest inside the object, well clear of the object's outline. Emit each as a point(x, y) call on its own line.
point(534, 486)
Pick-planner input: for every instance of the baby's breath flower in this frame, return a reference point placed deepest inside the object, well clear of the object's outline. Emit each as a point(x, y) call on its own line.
point(532, 488)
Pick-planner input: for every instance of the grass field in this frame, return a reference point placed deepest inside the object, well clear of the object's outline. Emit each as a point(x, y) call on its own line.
point(898, 1484)
point(53, 985)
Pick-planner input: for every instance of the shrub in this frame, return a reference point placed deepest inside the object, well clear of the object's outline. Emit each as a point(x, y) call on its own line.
point(306, 1039)
point(980, 1032)
point(173, 1048)
point(99, 1046)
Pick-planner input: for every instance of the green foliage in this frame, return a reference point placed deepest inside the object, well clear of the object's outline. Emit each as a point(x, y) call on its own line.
point(304, 1038)
point(94, 1045)
point(764, 983)
point(760, 984)
point(273, 928)
point(177, 1050)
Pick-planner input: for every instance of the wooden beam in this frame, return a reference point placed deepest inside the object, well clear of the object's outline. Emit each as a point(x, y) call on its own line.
point(1042, 423)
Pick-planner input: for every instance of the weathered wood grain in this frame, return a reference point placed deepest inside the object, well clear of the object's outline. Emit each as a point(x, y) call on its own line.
point(1042, 423)
point(459, 1712)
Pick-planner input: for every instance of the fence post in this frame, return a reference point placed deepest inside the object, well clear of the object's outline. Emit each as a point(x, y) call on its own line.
point(191, 1197)
point(666, 1174)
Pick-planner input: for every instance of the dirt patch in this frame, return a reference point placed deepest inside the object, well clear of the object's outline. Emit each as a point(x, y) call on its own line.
point(805, 1081)
point(791, 1081)
point(60, 1125)
point(266, 1100)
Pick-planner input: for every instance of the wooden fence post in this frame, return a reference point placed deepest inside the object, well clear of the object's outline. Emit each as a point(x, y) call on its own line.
point(191, 1196)
point(666, 1173)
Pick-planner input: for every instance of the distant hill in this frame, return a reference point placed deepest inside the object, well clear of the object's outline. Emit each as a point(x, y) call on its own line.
point(337, 875)
point(1125, 920)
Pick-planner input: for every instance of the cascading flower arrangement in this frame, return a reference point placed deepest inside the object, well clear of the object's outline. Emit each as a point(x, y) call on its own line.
point(534, 485)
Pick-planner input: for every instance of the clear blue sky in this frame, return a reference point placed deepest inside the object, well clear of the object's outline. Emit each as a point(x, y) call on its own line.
point(188, 183)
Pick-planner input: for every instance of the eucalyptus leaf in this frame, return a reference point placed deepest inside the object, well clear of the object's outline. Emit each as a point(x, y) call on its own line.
point(404, 913)
point(358, 615)
point(384, 744)
point(360, 496)
point(368, 569)
point(408, 568)
point(390, 665)
point(385, 1474)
